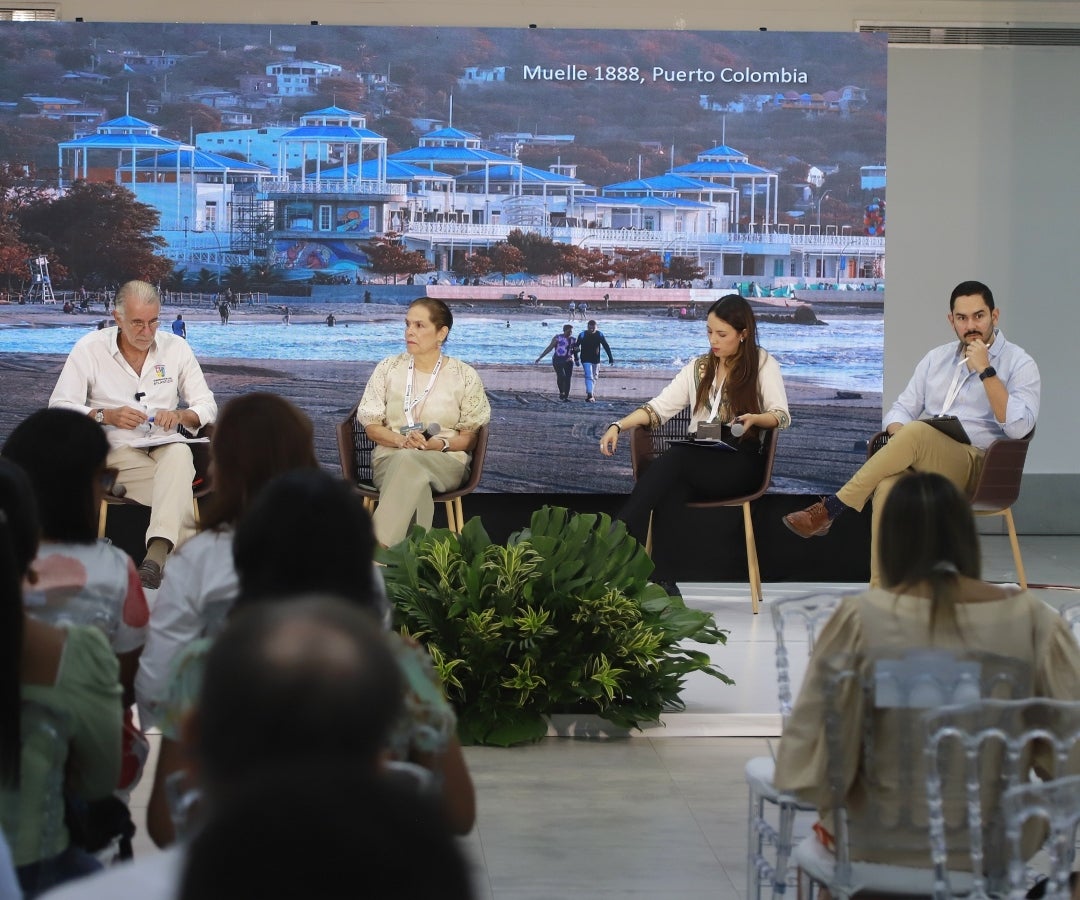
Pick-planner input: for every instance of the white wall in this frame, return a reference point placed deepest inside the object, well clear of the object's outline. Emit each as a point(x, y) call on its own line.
point(984, 183)
point(982, 159)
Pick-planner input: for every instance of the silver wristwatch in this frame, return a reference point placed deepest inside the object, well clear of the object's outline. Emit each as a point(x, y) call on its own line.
point(99, 416)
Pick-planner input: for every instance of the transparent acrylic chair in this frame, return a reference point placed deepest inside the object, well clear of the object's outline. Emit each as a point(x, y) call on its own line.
point(975, 751)
point(875, 743)
point(1070, 612)
point(1057, 804)
point(805, 615)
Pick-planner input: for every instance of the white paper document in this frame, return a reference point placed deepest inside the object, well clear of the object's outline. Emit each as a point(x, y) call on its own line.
point(173, 437)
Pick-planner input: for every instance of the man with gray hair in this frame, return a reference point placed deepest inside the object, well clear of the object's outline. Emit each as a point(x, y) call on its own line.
point(132, 379)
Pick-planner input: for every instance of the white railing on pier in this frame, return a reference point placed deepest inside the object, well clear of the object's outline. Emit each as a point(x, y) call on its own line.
point(209, 298)
point(661, 240)
point(206, 256)
point(286, 185)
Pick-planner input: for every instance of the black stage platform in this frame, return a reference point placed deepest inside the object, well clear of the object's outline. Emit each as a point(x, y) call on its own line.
point(712, 538)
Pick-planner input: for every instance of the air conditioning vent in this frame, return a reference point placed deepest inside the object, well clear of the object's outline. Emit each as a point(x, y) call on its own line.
point(932, 34)
point(10, 14)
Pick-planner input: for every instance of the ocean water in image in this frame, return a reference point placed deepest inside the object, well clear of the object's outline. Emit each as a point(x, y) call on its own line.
point(845, 354)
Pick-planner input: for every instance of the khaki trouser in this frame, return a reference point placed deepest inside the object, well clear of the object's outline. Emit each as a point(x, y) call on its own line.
point(918, 447)
point(159, 477)
point(406, 480)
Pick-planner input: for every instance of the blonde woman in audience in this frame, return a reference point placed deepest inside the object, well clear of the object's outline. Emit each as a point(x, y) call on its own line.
point(48, 675)
point(932, 596)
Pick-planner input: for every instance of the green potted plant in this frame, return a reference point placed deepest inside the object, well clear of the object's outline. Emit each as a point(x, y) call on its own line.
point(563, 619)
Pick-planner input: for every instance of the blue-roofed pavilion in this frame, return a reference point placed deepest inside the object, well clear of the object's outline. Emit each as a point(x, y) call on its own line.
point(334, 134)
point(456, 151)
point(123, 141)
point(728, 166)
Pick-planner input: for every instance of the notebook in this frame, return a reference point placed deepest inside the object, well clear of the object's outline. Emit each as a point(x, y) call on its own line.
point(951, 426)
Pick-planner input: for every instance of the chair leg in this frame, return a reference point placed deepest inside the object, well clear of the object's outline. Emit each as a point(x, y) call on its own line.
point(751, 558)
point(103, 515)
point(784, 842)
point(755, 843)
point(648, 538)
point(455, 515)
point(1021, 576)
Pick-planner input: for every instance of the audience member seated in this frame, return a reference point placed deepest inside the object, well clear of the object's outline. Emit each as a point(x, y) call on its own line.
point(257, 436)
point(62, 677)
point(932, 597)
point(79, 579)
point(349, 835)
point(308, 531)
point(302, 682)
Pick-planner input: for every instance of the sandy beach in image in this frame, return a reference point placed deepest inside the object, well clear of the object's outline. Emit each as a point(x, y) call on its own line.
point(538, 444)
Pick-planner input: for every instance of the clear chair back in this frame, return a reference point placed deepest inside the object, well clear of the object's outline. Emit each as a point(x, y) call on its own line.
point(1055, 804)
point(794, 619)
point(974, 752)
point(875, 744)
point(1070, 612)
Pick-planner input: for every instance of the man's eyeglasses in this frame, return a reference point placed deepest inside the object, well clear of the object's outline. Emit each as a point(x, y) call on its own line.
point(107, 479)
point(140, 325)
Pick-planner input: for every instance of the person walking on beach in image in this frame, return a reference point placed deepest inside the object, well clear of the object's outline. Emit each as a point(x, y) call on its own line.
point(331, 320)
point(589, 343)
point(179, 326)
point(573, 310)
point(223, 311)
point(565, 347)
point(287, 318)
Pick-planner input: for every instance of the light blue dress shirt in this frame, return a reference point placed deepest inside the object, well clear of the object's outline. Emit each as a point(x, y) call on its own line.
point(926, 393)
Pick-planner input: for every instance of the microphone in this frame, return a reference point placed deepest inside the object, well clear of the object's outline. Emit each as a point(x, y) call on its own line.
point(118, 490)
point(432, 429)
point(737, 429)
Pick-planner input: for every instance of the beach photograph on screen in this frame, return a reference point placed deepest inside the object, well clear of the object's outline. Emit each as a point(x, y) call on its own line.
point(316, 179)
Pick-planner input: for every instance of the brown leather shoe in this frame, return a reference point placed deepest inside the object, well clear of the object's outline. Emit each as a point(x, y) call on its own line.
point(811, 522)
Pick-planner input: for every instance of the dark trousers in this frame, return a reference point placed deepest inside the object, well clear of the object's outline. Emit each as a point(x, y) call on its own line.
point(686, 474)
point(564, 371)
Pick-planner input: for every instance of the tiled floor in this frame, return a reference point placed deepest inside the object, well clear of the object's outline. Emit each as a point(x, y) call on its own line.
point(663, 813)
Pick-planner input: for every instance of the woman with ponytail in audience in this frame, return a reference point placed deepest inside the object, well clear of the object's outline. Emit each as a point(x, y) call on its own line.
point(932, 598)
